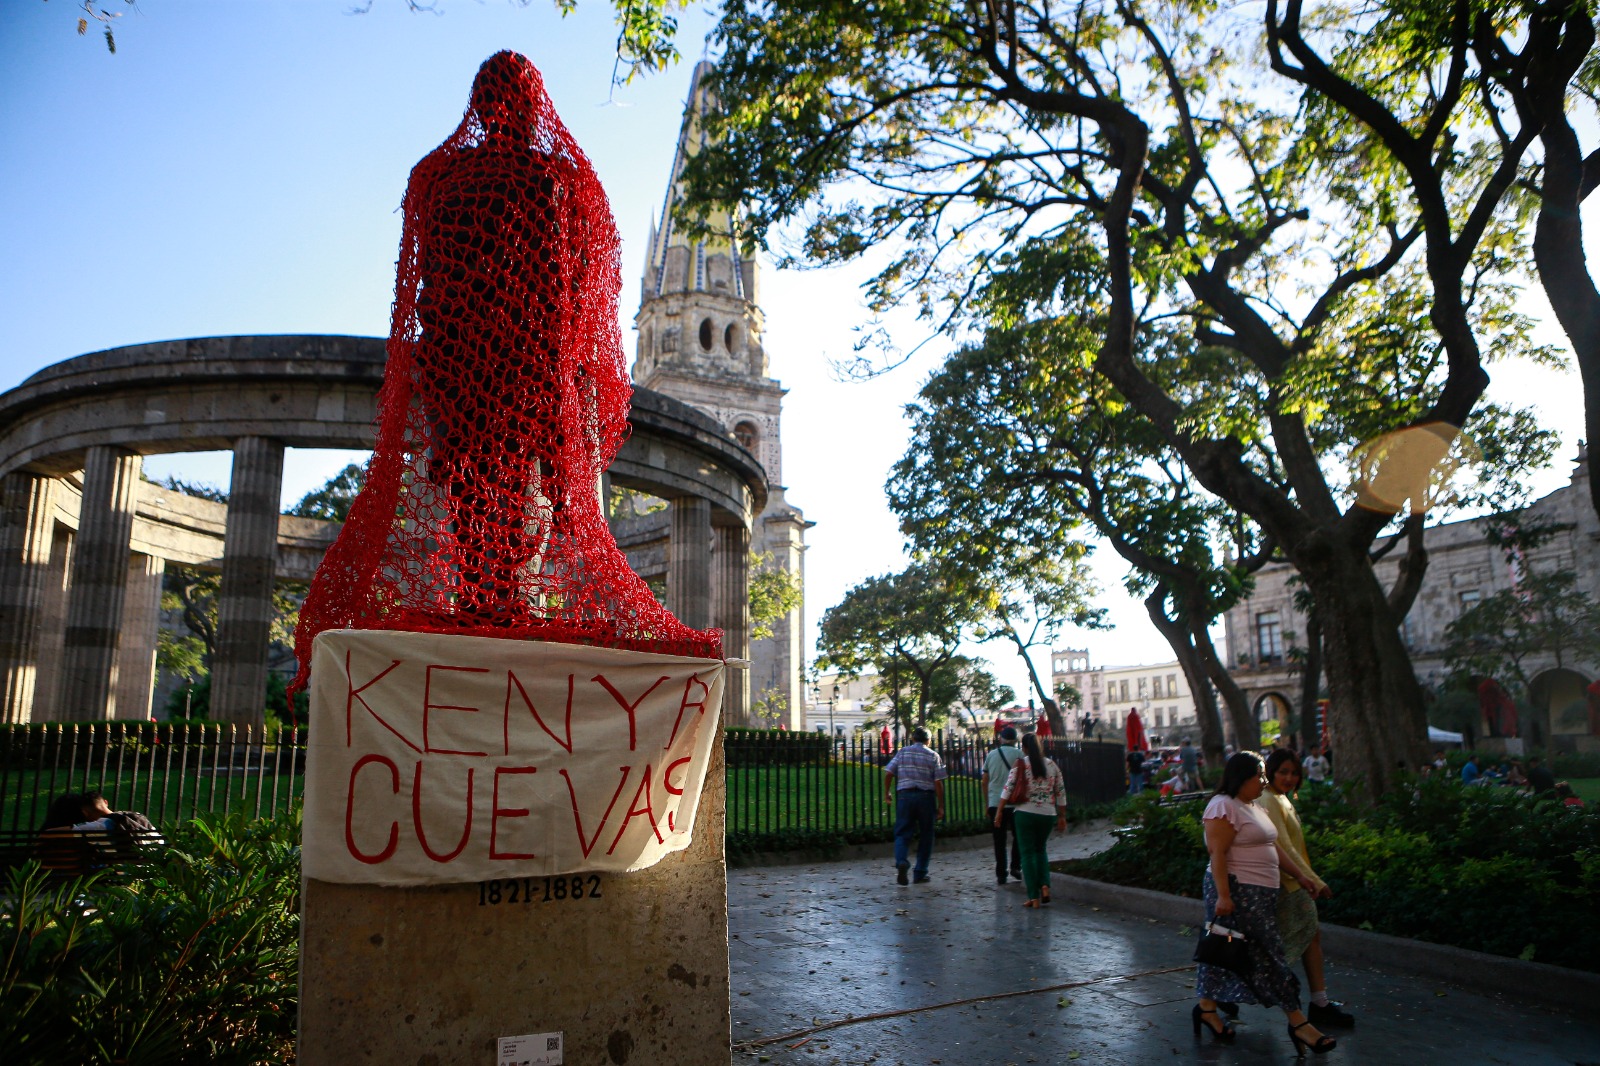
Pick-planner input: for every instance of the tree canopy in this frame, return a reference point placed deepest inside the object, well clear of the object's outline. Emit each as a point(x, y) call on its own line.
point(1292, 236)
point(906, 627)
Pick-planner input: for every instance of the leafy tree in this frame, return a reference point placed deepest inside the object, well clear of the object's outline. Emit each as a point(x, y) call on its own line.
point(1011, 454)
point(1022, 595)
point(332, 500)
point(979, 692)
point(177, 655)
point(646, 30)
point(197, 489)
point(774, 592)
point(906, 626)
point(1319, 283)
point(1528, 75)
point(770, 705)
point(193, 592)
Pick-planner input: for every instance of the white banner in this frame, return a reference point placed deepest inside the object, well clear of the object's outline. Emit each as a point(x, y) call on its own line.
point(442, 759)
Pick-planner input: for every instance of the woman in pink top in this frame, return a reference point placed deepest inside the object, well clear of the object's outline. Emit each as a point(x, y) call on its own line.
point(1241, 892)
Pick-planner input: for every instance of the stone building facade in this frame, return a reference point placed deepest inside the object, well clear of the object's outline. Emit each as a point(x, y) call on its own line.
point(1158, 691)
point(1463, 568)
point(700, 340)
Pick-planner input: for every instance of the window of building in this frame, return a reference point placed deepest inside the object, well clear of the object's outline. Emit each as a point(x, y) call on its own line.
point(1144, 687)
point(1269, 637)
point(705, 335)
point(1122, 688)
point(730, 337)
point(1095, 704)
point(1469, 598)
point(745, 434)
point(1172, 685)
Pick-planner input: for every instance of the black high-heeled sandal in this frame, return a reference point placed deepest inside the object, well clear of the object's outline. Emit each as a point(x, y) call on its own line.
point(1324, 1044)
point(1224, 1035)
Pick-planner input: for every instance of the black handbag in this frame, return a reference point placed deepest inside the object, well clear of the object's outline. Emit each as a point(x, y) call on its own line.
point(1224, 947)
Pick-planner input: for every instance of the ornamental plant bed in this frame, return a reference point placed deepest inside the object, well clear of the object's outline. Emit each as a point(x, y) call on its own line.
point(1483, 868)
point(194, 960)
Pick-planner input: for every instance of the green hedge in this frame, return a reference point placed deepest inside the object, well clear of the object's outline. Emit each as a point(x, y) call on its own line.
point(1481, 868)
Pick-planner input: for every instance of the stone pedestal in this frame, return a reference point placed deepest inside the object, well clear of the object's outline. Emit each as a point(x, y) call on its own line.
point(98, 583)
point(244, 604)
point(629, 968)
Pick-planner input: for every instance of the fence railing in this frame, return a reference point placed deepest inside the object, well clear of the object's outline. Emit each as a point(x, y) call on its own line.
point(170, 772)
point(778, 783)
point(784, 783)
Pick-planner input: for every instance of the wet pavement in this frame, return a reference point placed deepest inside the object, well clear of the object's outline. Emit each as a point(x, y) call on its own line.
point(982, 980)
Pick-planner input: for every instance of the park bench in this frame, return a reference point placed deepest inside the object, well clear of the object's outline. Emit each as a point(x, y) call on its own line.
point(1182, 798)
point(68, 854)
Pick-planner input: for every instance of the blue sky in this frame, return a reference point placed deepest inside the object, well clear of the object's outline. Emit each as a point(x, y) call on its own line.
point(236, 167)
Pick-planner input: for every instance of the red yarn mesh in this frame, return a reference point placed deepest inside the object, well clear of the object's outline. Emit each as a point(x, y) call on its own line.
point(504, 397)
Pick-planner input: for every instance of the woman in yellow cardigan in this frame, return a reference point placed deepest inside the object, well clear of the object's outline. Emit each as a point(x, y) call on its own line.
point(1297, 908)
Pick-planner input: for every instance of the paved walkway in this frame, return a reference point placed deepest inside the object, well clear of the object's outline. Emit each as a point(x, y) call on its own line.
point(977, 973)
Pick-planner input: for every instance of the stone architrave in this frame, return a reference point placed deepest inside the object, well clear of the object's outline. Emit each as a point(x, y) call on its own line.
point(244, 603)
point(97, 585)
point(27, 523)
point(555, 938)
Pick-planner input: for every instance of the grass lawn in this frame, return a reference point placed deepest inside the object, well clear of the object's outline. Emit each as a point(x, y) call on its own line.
point(836, 795)
point(1587, 787)
point(167, 797)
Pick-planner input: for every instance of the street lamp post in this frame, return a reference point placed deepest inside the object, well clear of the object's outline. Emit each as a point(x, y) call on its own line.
point(816, 698)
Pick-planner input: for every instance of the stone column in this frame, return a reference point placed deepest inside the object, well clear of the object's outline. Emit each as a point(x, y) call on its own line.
point(733, 615)
point(136, 653)
point(689, 561)
point(783, 653)
point(98, 580)
point(52, 623)
point(27, 525)
point(244, 603)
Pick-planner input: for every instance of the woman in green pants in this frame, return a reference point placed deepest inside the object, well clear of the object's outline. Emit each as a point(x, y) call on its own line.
point(1037, 795)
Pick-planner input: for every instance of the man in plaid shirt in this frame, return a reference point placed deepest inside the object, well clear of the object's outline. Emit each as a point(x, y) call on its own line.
point(914, 782)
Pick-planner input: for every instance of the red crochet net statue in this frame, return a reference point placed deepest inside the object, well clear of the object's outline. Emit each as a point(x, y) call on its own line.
point(504, 397)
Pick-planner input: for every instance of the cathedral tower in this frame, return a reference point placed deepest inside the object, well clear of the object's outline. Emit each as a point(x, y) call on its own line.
point(701, 341)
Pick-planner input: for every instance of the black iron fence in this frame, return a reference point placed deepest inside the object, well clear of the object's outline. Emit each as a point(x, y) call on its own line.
point(170, 771)
point(786, 787)
point(782, 787)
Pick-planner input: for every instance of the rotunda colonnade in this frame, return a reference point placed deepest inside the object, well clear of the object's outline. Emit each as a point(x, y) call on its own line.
point(84, 541)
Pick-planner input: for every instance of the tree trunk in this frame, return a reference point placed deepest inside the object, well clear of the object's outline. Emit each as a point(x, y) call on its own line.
point(1310, 681)
point(1378, 722)
point(1052, 710)
point(1245, 727)
point(1558, 245)
point(1194, 671)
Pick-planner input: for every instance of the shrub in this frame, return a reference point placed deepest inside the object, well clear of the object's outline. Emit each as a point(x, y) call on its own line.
point(196, 962)
point(1481, 868)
